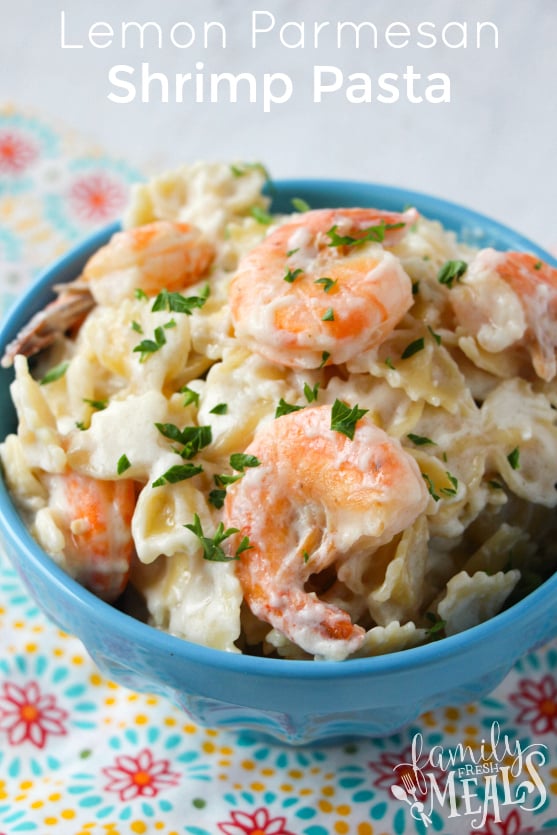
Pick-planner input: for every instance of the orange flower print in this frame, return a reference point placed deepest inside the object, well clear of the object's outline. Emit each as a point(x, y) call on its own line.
point(537, 701)
point(27, 715)
point(140, 776)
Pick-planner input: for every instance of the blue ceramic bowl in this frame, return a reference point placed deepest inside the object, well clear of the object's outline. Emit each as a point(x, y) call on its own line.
point(292, 701)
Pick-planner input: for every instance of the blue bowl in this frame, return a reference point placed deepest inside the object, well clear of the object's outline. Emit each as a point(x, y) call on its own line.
point(292, 701)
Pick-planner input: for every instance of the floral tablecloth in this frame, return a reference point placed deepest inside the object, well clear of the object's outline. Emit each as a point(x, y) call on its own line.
point(80, 755)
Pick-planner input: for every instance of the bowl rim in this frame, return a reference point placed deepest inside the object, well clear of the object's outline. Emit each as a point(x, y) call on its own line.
point(131, 629)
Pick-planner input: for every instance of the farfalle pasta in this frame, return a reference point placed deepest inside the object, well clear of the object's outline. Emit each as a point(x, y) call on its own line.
point(328, 434)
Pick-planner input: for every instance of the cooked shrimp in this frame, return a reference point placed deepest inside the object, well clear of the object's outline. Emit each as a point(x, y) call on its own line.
point(95, 518)
point(321, 289)
point(316, 499)
point(508, 298)
point(158, 256)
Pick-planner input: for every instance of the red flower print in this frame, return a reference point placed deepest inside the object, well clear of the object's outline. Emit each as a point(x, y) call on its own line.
point(392, 766)
point(140, 776)
point(97, 197)
point(537, 701)
point(28, 715)
point(16, 152)
point(510, 826)
point(260, 823)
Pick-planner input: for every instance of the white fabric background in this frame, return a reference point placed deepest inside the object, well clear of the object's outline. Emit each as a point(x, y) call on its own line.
point(492, 148)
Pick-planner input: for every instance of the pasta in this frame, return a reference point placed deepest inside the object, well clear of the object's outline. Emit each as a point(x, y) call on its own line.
point(174, 394)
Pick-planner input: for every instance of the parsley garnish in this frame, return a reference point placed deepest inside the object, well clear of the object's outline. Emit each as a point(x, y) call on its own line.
point(149, 346)
point(389, 363)
point(225, 479)
point(191, 396)
point(135, 326)
point(324, 357)
point(123, 464)
point(420, 440)
point(430, 487)
point(99, 405)
point(293, 275)
point(450, 491)
point(239, 461)
point(217, 497)
point(261, 216)
point(192, 438)
point(435, 336)
point(285, 408)
point(55, 373)
point(514, 458)
point(415, 288)
point(140, 294)
point(437, 626)
point(300, 205)
point(371, 233)
point(179, 472)
point(212, 547)
point(329, 315)
point(344, 418)
point(219, 409)
point(326, 282)
point(241, 169)
point(292, 252)
point(413, 348)
point(311, 393)
point(177, 303)
point(451, 271)
point(538, 265)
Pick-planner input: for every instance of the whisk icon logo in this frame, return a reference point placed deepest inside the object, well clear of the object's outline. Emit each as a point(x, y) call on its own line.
point(474, 782)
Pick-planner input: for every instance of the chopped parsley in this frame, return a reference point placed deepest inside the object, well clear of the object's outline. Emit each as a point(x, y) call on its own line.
point(538, 265)
point(413, 348)
point(99, 405)
point(329, 315)
point(344, 418)
point(514, 458)
point(292, 252)
point(149, 346)
point(435, 336)
point(212, 549)
point(326, 282)
point(179, 472)
point(177, 303)
point(420, 440)
point(123, 464)
point(135, 326)
point(261, 216)
point(219, 409)
point(285, 408)
point(451, 271)
point(371, 233)
point(55, 373)
point(311, 394)
point(292, 275)
point(300, 205)
point(452, 490)
point(217, 497)
point(192, 438)
point(140, 294)
point(415, 288)
point(430, 487)
point(324, 358)
point(437, 626)
point(240, 460)
point(191, 396)
point(241, 169)
point(389, 363)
